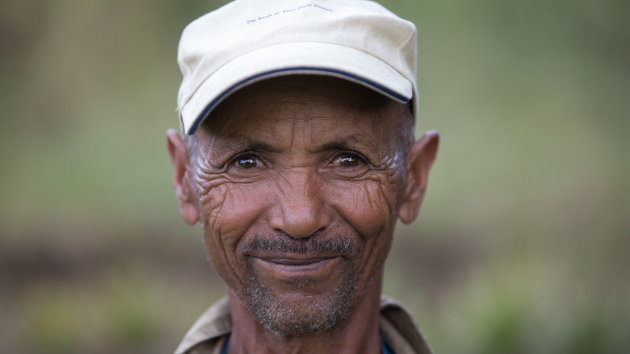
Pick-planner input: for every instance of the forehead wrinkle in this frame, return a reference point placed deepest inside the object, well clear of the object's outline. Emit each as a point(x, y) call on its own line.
point(293, 111)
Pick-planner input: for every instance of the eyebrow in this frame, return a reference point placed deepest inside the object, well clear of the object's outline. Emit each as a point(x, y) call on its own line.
point(336, 145)
point(240, 142)
point(346, 143)
point(244, 143)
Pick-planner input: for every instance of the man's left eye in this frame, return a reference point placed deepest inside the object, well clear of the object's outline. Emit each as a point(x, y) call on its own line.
point(348, 160)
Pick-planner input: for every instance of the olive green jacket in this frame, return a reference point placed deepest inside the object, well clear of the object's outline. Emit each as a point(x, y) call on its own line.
point(397, 328)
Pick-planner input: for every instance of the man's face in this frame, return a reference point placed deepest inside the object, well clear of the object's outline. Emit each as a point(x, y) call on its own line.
point(298, 183)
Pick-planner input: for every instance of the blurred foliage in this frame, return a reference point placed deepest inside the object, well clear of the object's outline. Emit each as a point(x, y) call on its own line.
point(521, 246)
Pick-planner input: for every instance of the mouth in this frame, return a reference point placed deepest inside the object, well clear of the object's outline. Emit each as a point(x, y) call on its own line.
point(291, 266)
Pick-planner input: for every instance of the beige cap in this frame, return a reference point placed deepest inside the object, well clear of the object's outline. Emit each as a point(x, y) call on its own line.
point(247, 41)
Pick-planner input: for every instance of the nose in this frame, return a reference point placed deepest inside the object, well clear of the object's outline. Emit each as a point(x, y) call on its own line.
point(301, 209)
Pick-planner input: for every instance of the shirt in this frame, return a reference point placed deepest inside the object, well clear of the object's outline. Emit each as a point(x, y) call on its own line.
point(397, 329)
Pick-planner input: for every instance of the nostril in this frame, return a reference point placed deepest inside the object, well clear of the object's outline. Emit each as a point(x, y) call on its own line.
point(304, 238)
point(299, 221)
point(294, 238)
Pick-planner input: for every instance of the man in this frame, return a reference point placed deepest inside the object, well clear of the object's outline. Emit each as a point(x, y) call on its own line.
point(298, 158)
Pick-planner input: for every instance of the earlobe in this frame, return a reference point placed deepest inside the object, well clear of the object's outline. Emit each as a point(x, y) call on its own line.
point(418, 162)
point(184, 194)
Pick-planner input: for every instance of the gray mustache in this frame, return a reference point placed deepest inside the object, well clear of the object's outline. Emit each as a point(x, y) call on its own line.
point(337, 244)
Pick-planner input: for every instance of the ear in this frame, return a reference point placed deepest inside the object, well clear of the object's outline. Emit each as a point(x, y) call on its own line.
point(417, 165)
point(186, 201)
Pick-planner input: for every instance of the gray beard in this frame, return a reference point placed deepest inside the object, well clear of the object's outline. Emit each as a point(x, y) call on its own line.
point(316, 313)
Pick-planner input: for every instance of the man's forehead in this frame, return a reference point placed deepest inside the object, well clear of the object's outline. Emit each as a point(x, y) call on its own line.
point(302, 97)
point(315, 108)
point(307, 88)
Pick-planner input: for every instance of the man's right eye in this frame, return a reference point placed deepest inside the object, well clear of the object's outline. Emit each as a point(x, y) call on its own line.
point(246, 161)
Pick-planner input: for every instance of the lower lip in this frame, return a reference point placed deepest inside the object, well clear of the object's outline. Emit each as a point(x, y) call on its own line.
point(291, 268)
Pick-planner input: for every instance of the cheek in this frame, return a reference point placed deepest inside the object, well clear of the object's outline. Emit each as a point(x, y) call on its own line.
point(367, 205)
point(229, 211)
point(231, 208)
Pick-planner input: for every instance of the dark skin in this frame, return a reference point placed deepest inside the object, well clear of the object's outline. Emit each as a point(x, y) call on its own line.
point(294, 160)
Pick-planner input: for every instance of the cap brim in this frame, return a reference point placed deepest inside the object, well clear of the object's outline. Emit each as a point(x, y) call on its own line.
point(289, 59)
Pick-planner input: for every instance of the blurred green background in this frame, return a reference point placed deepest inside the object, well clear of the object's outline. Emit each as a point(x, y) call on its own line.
point(521, 246)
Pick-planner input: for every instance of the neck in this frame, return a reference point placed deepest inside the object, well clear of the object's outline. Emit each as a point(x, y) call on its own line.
point(359, 333)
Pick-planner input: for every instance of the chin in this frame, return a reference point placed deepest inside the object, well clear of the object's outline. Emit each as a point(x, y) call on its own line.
point(300, 312)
